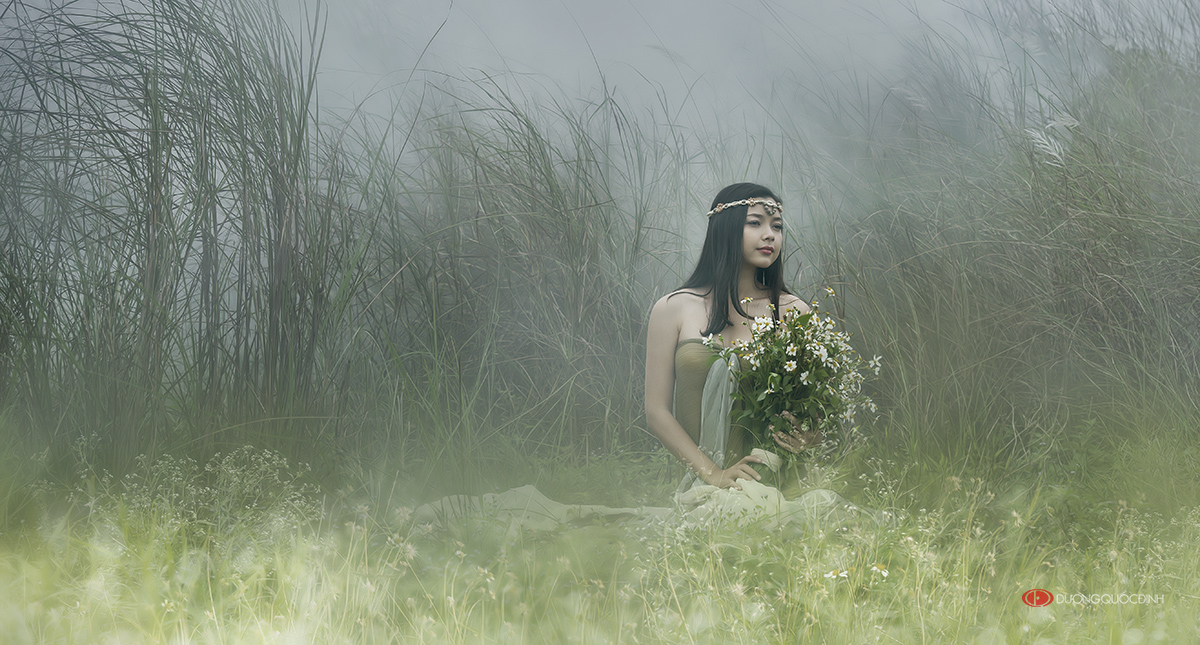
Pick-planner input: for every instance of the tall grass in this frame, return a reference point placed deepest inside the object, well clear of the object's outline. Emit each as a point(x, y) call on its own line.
point(170, 252)
point(1014, 229)
point(451, 298)
point(235, 257)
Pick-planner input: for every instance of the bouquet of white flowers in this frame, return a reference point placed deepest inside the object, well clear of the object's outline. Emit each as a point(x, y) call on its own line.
point(799, 382)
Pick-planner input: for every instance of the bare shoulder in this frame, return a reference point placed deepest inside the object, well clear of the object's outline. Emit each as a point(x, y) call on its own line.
point(670, 312)
point(688, 294)
point(790, 303)
point(677, 304)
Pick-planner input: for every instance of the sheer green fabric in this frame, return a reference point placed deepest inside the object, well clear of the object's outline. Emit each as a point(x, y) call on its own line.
point(703, 404)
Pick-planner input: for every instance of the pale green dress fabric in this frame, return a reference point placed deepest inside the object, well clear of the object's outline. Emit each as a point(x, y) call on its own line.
point(703, 403)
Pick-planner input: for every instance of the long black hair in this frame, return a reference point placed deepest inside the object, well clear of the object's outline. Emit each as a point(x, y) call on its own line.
point(721, 258)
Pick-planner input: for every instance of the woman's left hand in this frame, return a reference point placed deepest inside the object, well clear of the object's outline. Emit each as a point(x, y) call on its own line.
point(796, 439)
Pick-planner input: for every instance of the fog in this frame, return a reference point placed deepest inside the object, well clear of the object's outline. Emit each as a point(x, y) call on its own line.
point(701, 58)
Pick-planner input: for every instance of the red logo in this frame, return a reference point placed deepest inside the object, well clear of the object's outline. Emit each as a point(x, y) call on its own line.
point(1037, 598)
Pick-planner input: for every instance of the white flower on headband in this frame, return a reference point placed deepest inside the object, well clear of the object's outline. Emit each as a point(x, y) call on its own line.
point(771, 205)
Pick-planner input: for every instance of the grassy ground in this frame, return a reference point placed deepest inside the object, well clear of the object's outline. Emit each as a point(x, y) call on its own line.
point(252, 554)
point(242, 337)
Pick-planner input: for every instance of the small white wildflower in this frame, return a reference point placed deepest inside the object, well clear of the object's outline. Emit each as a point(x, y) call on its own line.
point(829, 292)
point(804, 378)
point(790, 366)
point(880, 569)
point(791, 349)
point(402, 514)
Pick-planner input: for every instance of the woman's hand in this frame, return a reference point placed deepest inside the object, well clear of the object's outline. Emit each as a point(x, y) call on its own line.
point(728, 477)
point(796, 439)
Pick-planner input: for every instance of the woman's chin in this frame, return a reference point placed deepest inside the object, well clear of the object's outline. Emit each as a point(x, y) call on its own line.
point(761, 262)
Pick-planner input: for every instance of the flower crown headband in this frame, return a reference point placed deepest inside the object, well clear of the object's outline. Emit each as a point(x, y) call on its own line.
point(771, 205)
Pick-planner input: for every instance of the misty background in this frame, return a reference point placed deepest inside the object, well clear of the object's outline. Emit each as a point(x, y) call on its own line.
point(318, 221)
point(704, 58)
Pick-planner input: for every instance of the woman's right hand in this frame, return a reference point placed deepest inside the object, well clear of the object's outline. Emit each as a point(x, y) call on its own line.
point(728, 477)
point(798, 438)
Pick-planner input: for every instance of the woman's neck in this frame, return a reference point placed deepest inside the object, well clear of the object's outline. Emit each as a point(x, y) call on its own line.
point(748, 286)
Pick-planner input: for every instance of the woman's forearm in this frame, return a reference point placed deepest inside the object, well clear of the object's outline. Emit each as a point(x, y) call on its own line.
point(676, 439)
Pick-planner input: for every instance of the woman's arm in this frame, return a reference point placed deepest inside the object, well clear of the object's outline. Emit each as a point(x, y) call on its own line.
point(661, 338)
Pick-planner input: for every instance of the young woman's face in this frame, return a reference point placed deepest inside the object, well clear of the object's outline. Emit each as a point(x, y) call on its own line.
point(762, 235)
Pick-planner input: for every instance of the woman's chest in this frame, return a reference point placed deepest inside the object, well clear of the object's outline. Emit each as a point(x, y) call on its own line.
point(696, 320)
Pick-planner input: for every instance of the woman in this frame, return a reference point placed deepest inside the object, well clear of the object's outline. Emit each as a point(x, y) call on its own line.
point(739, 263)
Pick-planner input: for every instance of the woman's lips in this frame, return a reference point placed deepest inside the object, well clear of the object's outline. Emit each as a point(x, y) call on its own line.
point(767, 249)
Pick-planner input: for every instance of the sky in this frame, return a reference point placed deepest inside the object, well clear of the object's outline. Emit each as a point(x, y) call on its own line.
point(713, 53)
